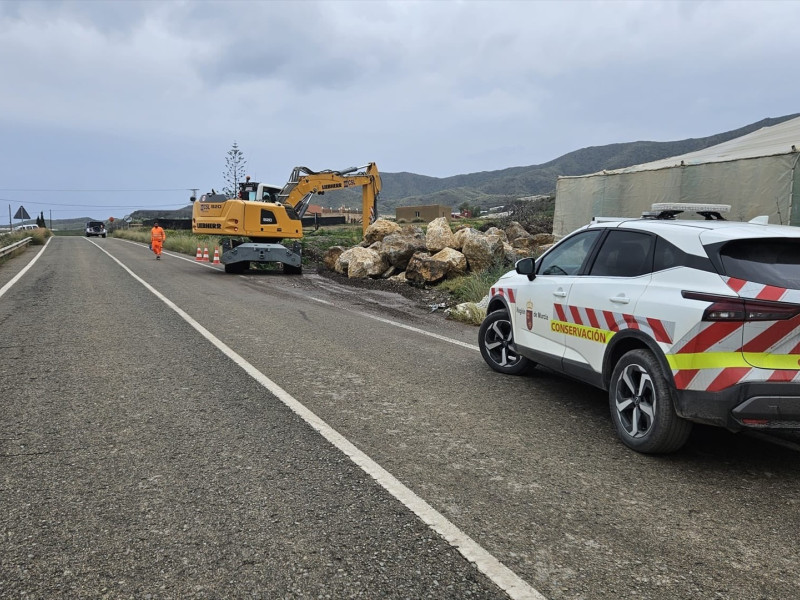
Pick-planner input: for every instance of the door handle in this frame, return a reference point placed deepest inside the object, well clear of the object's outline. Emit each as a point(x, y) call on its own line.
point(560, 294)
point(620, 299)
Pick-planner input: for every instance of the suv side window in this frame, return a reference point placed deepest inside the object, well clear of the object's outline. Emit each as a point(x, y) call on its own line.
point(568, 257)
point(667, 256)
point(624, 254)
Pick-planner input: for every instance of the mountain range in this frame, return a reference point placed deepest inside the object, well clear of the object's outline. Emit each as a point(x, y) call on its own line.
point(489, 188)
point(495, 188)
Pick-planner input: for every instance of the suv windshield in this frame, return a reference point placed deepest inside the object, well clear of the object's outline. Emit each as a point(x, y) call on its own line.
point(94, 224)
point(768, 261)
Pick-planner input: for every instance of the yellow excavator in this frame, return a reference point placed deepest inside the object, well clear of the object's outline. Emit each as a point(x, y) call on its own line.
point(266, 214)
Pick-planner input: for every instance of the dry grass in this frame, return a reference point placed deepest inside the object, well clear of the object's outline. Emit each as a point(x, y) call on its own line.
point(183, 242)
point(38, 238)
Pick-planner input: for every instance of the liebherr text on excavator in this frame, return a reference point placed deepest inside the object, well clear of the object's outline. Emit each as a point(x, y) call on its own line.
point(265, 215)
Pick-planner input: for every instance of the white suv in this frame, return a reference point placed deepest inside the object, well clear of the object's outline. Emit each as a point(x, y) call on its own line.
point(97, 228)
point(680, 320)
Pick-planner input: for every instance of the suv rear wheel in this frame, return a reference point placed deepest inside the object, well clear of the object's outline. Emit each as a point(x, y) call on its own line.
point(496, 341)
point(642, 408)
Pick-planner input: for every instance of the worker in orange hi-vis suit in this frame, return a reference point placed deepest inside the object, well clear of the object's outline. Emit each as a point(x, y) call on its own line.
point(157, 237)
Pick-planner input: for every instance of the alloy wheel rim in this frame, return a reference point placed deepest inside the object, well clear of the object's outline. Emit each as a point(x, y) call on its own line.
point(499, 343)
point(635, 401)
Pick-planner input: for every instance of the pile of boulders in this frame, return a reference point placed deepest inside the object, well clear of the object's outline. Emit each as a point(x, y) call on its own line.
point(391, 251)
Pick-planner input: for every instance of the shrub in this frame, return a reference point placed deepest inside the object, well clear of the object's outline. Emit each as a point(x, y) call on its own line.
point(474, 286)
point(39, 236)
point(535, 216)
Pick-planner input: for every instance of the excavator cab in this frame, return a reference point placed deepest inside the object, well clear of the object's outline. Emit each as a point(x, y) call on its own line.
point(258, 192)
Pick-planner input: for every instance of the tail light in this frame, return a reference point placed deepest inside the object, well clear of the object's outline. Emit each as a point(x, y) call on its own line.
point(730, 308)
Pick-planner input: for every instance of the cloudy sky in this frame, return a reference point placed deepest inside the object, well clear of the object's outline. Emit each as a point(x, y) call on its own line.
point(111, 106)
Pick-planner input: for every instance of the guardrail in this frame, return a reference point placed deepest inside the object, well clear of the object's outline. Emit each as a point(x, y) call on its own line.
point(14, 246)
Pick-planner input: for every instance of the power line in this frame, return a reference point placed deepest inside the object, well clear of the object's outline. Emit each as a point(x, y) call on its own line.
point(70, 205)
point(115, 190)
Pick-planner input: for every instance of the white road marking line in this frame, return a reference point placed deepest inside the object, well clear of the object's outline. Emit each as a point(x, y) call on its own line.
point(363, 314)
point(174, 255)
point(19, 275)
point(516, 587)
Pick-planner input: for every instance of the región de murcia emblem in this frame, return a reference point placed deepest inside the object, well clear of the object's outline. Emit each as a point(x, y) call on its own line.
point(529, 315)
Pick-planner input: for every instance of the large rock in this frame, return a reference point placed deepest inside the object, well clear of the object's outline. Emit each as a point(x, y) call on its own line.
point(379, 230)
point(391, 272)
point(457, 261)
point(498, 232)
point(398, 248)
point(543, 239)
point(493, 238)
point(359, 263)
point(439, 235)
point(513, 254)
point(400, 277)
point(525, 245)
point(423, 268)
point(483, 251)
point(331, 255)
point(462, 235)
point(515, 231)
point(413, 230)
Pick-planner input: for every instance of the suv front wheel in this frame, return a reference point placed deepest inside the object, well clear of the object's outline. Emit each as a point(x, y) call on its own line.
point(642, 408)
point(496, 341)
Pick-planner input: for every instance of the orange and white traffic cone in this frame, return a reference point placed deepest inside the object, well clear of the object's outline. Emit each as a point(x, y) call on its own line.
point(199, 255)
point(216, 256)
point(205, 254)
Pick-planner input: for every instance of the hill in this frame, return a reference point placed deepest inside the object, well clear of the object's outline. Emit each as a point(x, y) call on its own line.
point(489, 188)
point(146, 215)
point(495, 188)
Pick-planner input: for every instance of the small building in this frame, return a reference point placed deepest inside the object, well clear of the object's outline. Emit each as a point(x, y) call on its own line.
point(423, 214)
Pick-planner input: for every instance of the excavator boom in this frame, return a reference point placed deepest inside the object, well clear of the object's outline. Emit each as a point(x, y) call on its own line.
point(304, 183)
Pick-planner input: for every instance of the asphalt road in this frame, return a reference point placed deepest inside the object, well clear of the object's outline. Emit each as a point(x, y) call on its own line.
point(155, 442)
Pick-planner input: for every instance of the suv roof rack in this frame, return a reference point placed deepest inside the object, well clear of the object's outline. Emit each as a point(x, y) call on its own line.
point(609, 219)
point(669, 210)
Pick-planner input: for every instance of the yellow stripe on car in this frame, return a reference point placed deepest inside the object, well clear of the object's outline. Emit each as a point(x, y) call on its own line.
point(723, 360)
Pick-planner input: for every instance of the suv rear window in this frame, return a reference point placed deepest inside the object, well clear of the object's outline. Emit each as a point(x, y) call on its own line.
point(767, 261)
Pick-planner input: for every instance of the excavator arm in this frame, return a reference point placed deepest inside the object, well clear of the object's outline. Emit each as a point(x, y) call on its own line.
point(304, 183)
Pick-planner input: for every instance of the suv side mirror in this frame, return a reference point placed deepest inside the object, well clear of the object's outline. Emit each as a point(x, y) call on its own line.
point(526, 266)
